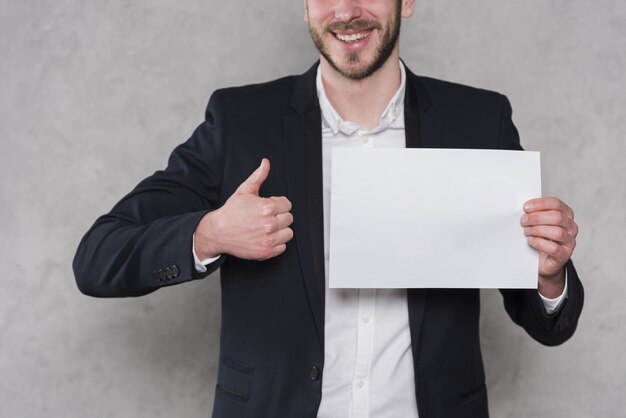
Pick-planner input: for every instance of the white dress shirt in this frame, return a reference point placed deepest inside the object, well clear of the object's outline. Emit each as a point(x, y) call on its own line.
point(368, 363)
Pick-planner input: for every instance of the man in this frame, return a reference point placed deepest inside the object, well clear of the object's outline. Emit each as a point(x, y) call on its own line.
point(291, 347)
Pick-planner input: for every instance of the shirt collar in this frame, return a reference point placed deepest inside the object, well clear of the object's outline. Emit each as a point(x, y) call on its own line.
point(389, 117)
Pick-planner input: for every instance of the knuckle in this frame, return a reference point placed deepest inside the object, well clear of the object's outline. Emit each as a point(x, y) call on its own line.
point(269, 226)
point(553, 248)
point(544, 245)
point(559, 218)
point(562, 253)
point(277, 250)
point(567, 222)
point(262, 254)
point(267, 209)
point(267, 242)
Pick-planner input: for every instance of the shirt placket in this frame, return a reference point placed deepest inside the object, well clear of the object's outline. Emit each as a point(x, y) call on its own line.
point(364, 350)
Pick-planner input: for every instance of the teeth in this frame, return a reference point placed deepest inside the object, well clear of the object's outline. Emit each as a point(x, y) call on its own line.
point(351, 38)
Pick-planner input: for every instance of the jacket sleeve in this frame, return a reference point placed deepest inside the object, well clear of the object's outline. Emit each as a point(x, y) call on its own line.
point(145, 241)
point(525, 307)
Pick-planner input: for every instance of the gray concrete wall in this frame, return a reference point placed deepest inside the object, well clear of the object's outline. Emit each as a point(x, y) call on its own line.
point(94, 95)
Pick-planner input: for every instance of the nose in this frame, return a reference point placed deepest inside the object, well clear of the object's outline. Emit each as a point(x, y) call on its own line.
point(347, 10)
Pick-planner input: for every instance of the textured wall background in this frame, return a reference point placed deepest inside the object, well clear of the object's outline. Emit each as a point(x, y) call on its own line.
point(94, 95)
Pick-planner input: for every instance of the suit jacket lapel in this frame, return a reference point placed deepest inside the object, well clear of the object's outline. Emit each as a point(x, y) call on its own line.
point(421, 130)
point(303, 152)
point(412, 117)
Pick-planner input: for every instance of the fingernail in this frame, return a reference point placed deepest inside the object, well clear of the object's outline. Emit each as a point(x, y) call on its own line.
point(524, 219)
point(528, 206)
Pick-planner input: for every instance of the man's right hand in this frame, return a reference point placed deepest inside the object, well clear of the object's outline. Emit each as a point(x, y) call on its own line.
point(247, 226)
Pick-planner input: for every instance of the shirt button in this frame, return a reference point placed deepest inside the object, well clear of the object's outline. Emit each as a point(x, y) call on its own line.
point(365, 139)
point(365, 319)
point(315, 373)
point(359, 384)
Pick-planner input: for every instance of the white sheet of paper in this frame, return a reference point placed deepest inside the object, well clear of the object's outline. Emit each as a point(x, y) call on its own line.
point(431, 218)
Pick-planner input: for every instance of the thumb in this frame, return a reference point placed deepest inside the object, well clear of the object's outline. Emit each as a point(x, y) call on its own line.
point(253, 183)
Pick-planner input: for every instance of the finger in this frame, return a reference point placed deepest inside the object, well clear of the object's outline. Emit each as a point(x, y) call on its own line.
point(283, 220)
point(574, 230)
point(556, 251)
point(280, 238)
point(252, 184)
point(272, 224)
point(548, 217)
point(275, 205)
point(548, 203)
point(276, 251)
point(283, 236)
point(553, 233)
point(551, 220)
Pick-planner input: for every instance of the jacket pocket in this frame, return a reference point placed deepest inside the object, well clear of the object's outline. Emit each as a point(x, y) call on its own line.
point(473, 403)
point(237, 365)
point(234, 379)
point(474, 393)
point(232, 393)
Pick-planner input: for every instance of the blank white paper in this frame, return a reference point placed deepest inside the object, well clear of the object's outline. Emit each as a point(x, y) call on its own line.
point(431, 218)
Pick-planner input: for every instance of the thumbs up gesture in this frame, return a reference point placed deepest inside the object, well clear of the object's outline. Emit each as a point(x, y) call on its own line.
point(247, 226)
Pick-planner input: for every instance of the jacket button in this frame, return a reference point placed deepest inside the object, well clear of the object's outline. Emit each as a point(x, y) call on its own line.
point(175, 270)
point(315, 373)
point(169, 272)
point(162, 275)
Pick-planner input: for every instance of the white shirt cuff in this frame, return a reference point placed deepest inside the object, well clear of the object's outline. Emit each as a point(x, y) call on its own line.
point(201, 265)
point(553, 305)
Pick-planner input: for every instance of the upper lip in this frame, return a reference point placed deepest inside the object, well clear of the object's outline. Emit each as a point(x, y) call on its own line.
point(349, 28)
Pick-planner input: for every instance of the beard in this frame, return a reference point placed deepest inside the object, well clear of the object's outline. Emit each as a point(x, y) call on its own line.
point(383, 50)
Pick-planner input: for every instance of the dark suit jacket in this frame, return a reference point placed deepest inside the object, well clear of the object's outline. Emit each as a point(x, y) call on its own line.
point(272, 336)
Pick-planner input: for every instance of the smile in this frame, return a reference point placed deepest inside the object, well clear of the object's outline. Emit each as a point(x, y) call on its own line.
point(353, 37)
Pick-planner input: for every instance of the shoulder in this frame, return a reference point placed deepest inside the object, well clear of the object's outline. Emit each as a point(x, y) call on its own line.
point(449, 88)
point(455, 95)
point(274, 94)
point(263, 102)
point(466, 117)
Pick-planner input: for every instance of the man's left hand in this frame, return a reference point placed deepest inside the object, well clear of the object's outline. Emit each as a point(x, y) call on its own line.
point(549, 225)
